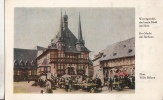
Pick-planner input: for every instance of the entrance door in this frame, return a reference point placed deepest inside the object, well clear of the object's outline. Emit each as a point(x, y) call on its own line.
point(70, 70)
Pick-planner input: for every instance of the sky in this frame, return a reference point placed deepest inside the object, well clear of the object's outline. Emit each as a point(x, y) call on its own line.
point(100, 26)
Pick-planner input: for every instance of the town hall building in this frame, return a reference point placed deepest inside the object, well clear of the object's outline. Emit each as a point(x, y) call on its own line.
point(65, 54)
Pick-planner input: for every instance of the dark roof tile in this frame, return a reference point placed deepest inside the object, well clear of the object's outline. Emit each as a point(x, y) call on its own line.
point(121, 49)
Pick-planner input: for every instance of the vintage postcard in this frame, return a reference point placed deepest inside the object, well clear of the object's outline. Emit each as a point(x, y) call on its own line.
point(94, 50)
point(56, 50)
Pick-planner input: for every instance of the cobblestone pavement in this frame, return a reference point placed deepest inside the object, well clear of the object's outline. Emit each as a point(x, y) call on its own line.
point(25, 87)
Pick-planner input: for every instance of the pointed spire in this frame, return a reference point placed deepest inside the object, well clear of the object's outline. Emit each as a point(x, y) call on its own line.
point(80, 38)
point(61, 26)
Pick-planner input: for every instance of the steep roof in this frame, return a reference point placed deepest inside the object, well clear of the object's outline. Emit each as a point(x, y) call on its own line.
point(121, 49)
point(39, 52)
point(66, 36)
point(39, 48)
point(70, 41)
point(24, 55)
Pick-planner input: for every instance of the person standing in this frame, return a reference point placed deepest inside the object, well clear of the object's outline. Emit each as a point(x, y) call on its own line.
point(99, 83)
point(66, 85)
point(28, 80)
point(110, 84)
point(70, 84)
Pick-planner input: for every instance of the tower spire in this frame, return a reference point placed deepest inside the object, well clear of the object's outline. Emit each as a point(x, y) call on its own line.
point(80, 38)
point(65, 20)
point(61, 26)
point(80, 43)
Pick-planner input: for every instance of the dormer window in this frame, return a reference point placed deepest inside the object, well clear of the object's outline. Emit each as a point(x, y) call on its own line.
point(15, 63)
point(32, 63)
point(21, 63)
point(130, 50)
point(114, 54)
point(27, 63)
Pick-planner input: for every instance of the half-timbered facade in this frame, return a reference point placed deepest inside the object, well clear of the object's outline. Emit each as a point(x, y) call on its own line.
point(65, 54)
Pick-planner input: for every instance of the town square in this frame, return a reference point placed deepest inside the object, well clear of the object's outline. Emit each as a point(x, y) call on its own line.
point(25, 87)
point(64, 61)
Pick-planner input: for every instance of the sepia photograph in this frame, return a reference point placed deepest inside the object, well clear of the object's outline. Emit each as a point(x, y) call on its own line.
point(74, 50)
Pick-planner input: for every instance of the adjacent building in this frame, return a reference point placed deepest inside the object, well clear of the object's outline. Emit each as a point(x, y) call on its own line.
point(25, 64)
point(118, 57)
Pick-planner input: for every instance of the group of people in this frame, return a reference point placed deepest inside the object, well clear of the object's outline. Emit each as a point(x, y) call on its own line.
point(119, 82)
point(67, 83)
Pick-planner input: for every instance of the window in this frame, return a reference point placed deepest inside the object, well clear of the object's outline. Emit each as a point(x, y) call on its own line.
point(80, 67)
point(15, 72)
point(32, 63)
point(82, 56)
point(21, 63)
point(61, 67)
point(29, 72)
point(61, 54)
point(45, 69)
point(15, 63)
point(130, 50)
point(105, 64)
point(53, 54)
point(18, 72)
point(48, 68)
point(78, 56)
point(27, 63)
point(114, 54)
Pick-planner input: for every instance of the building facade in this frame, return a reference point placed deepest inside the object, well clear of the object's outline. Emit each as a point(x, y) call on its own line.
point(118, 57)
point(65, 54)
